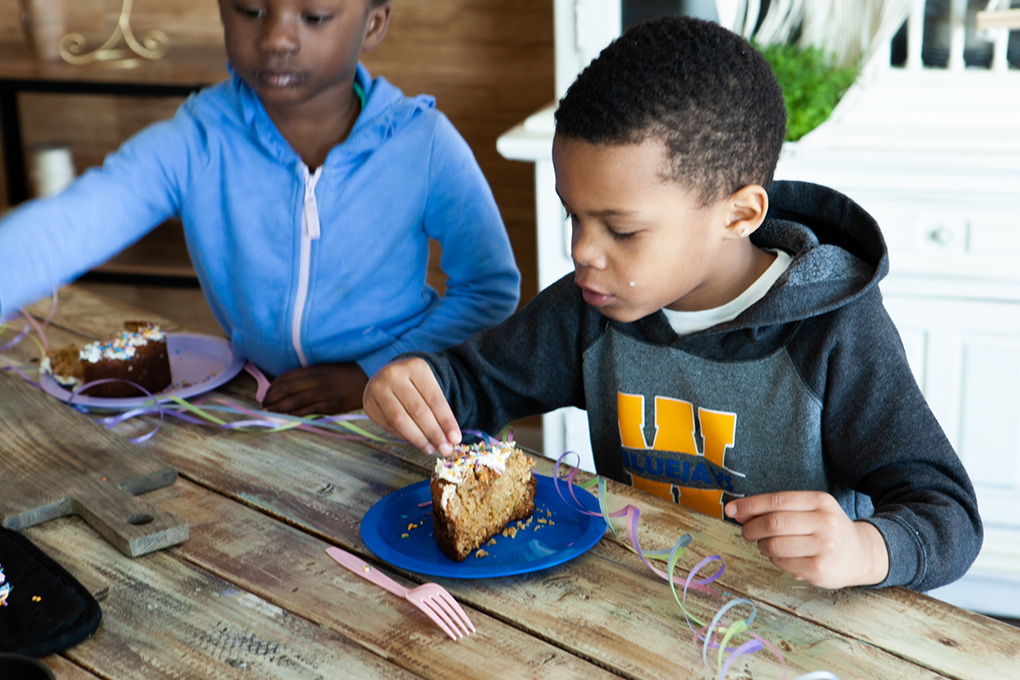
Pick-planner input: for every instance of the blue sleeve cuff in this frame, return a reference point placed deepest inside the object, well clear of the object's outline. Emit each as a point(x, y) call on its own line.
point(371, 363)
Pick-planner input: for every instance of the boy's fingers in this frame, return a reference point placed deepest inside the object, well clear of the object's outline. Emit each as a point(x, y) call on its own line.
point(440, 409)
point(789, 547)
point(417, 409)
point(388, 410)
point(406, 399)
point(777, 524)
point(743, 509)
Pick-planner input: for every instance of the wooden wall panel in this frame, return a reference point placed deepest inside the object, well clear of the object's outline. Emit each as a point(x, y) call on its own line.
point(184, 21)
point(489, 64)
point(94, 125)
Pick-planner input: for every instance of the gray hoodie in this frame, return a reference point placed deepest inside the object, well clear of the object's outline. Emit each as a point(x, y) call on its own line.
point(807, 389)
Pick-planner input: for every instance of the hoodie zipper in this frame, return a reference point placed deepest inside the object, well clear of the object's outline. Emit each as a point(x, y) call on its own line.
point(310, 231)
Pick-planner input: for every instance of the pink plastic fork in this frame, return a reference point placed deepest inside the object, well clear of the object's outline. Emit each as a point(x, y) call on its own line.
point(431, 598)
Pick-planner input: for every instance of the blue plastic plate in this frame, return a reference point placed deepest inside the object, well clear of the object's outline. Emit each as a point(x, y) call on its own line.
point(569, 534)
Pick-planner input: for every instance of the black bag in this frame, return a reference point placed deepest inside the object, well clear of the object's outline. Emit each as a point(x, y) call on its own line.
point(47, 610)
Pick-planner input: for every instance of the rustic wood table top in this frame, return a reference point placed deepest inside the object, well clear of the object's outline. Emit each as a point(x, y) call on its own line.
point(252, 593)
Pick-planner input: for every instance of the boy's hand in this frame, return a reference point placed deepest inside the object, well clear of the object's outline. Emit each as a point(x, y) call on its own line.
point(807, 534)
point(325, 389)
point(405, 398)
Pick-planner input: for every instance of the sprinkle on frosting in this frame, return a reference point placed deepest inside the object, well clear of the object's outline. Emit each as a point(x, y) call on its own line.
point(122, 347)
point(5, 588)
point(467, 457)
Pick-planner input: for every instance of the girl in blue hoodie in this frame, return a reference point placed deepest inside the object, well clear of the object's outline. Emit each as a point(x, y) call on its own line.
point(308, 192)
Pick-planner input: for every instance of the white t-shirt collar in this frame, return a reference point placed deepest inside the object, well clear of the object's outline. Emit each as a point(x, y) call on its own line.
point(685, 323)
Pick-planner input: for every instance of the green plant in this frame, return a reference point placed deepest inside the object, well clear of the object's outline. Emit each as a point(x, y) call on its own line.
point(812, 85)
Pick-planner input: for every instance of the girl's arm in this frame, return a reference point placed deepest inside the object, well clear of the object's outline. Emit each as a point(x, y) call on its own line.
point(47, 242)
point(483, 285)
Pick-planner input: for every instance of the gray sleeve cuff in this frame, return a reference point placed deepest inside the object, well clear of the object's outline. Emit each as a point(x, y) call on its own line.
point(907, 562)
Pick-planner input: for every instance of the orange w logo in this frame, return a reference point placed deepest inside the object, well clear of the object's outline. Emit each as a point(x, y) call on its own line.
point(674, 431)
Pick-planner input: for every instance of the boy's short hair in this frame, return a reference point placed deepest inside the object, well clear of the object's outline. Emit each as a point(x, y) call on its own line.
point(703, 90)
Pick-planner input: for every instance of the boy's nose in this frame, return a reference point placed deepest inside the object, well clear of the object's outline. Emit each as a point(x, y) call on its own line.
point(279, 34)
point(584, 250)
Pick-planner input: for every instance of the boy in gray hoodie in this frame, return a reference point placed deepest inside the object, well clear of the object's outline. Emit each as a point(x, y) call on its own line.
point(725, 333)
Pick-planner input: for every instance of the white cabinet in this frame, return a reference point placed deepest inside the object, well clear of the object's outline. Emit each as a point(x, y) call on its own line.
point(934, 155)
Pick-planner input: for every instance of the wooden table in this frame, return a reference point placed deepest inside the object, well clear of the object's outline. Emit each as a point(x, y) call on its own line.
point(184, 69)
point(252, 594)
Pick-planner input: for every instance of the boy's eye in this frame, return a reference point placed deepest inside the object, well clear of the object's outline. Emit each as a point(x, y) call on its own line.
point(250, 12)
point(622, 235)
point(317, 19)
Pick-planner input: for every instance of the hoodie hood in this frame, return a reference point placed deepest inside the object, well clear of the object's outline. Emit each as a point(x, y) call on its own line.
point(385, 111)
point(837, 248)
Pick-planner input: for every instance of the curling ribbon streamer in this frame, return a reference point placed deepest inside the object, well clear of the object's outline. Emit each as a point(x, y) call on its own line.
point(42, 343)
point(134, 440)
point(262, 383)
point(32, 323)
point(203, 411)
point(706, 633)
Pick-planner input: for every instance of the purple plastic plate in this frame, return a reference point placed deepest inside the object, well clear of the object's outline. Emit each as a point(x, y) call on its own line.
point(198, 364)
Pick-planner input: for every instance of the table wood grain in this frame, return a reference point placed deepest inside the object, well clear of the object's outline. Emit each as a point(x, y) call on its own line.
point(252, 592)
point(63, 465)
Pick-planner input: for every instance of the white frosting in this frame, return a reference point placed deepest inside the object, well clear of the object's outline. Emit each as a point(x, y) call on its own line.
point(449, 491)
point(443, 473)
point(468, 457)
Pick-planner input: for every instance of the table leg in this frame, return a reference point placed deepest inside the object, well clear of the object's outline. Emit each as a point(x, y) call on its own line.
point(14, 157)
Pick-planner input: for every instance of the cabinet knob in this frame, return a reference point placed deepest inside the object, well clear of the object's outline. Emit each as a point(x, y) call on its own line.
point(942, 235)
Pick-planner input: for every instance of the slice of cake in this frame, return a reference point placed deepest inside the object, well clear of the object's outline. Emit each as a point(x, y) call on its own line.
point(64, 366)
point(139, 355)
point(476, 492)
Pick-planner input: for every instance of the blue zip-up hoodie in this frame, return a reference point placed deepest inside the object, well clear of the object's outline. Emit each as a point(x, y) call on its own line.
point(298, 268)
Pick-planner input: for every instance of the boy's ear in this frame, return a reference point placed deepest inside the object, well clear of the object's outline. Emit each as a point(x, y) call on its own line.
point(375, 27)
point(746, 208)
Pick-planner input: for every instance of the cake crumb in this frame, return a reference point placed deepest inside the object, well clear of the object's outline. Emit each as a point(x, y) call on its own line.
point(510, 532)
point(412, 525)
point(543, 520)
point(405, 535)
point(492, 541)
point(481, 553)
point(548, 513)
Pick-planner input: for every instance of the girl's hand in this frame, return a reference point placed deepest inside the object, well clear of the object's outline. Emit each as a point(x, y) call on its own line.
point(325, 389)
point(405, 398)
point(807, 534)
